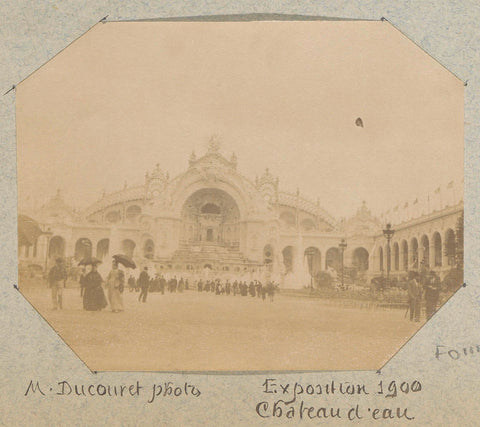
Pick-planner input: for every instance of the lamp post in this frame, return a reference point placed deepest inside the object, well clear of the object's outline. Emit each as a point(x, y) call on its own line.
point(388, 232)
point(342, 245)
point(310, 253)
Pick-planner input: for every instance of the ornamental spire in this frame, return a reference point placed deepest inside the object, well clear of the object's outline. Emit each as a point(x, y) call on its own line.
point(214, 144)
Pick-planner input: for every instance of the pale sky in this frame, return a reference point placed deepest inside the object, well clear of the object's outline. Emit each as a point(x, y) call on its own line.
point(282, 95)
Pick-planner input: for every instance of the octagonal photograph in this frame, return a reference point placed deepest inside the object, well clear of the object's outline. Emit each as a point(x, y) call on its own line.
point(239, 196)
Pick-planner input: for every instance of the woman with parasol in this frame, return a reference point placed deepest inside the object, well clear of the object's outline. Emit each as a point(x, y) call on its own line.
point(93, 295)
point(116, 282)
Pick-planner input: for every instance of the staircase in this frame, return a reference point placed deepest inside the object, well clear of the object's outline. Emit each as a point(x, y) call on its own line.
point(213, 254)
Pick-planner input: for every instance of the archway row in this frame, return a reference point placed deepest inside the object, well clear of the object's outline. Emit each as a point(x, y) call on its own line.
point(419, 252)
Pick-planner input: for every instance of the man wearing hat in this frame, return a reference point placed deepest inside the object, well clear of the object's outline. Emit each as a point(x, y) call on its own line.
point(144, 282)
point(56, 278)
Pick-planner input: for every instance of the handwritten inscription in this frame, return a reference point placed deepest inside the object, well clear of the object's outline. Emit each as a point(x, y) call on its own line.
point(443, 352)
point(154, 392)
point(293, 400)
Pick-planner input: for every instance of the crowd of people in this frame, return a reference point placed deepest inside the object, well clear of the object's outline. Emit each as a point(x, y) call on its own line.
point(254, 289)
point(422, 286)
point(158, 283)
point(92, 286)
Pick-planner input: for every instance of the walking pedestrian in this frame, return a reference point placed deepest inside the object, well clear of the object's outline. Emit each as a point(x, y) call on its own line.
point(143, 282)
point(114, 284)
point(56, 278)
point(94, 297)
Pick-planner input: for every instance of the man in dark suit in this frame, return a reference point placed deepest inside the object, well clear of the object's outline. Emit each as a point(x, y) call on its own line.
point(432, 293)
point(143, 282)
point(414, 296)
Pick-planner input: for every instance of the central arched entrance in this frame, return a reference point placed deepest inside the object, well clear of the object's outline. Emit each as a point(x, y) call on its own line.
point(210, 216)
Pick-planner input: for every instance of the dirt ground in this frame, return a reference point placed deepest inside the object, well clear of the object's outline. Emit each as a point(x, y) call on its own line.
point(194, 331)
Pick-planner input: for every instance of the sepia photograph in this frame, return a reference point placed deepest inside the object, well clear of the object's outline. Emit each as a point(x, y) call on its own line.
point(239, 196)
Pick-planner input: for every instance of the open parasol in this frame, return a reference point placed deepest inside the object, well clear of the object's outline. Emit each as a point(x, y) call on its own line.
point(90, 260)
point(28, 231)
point(125, 261)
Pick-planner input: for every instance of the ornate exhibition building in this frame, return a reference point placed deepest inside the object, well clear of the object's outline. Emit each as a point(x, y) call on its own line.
point(212, 220)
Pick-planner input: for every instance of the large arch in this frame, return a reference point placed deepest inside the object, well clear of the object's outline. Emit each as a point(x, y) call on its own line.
point(210, 215)
point(437, 248)
point(208, 179)
point(102, 248)
point(360, 258)
point(149, 249)
point(56, 247)
point(128, 247)
point(83, 248)
point(314, 261)
point(333, 258)
point(404, 255)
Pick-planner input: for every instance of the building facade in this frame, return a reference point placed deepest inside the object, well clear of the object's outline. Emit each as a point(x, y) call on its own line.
point(211, 219)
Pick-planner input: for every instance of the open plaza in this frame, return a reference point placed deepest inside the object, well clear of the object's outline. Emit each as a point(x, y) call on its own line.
point(198, 331)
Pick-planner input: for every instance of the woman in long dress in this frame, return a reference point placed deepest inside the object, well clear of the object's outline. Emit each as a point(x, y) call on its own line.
point(93, 296)
point(115, 283)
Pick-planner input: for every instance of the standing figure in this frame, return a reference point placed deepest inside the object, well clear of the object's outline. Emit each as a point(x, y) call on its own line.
point(414, 297)
point(94, 297)
point(227, 287)
point(82, 281)
point(244, 288)
point(258, 288)
point(163, 283)
point(131, 283)
point(114, 284)
point(143, 282)
point(235, 288)
point(251, 289)
point(56, 279)
point(432, 293)
point(271, 290)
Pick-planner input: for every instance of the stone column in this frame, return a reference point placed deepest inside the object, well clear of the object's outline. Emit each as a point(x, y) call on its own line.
point(372, 260)
point(445, 265)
